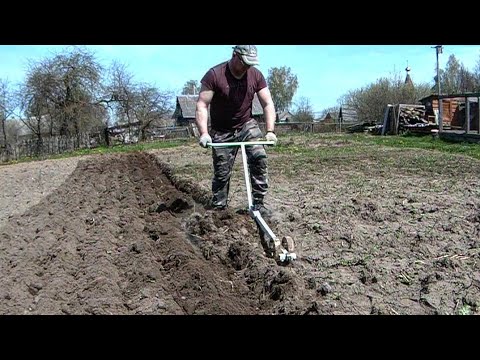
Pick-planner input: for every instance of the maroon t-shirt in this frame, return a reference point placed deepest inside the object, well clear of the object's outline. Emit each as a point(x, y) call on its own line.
point(231, 105)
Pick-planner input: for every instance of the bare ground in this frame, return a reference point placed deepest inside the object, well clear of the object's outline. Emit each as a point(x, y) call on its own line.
point(377, 231)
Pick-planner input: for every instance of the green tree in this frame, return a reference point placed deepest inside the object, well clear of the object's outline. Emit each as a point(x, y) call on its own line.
point(449, 77)
point(283, 85)
point(456, 78)
point(191, 87)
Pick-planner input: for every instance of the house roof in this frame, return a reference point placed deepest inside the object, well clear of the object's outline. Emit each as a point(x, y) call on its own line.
point(257, 108)
point(186, 105)
point(330, 115)
point(284, 114)
point(451, 96)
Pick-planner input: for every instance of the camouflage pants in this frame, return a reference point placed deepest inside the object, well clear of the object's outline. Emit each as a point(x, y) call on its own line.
point(224, 158)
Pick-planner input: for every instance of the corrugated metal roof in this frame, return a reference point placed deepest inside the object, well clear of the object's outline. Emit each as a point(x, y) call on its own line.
point(186, 105)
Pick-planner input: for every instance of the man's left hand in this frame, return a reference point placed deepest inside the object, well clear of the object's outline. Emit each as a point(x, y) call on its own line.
point(271, 137)
point(204, 140)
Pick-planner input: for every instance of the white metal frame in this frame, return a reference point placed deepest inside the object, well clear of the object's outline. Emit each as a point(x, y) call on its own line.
point(255, 214)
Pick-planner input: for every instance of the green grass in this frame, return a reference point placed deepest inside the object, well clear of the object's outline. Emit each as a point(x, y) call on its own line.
point(465, 310)
point(301, 144)
point(421, 142)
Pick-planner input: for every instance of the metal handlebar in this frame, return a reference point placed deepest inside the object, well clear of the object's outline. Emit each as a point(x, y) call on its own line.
point(245, 143)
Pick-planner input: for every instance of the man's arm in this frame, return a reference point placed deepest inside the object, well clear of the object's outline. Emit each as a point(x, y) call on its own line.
point(201, 112)
point(268, 108)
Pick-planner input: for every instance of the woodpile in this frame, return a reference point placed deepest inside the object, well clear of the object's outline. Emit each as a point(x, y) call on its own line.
point(412, 114)
point(402, 117)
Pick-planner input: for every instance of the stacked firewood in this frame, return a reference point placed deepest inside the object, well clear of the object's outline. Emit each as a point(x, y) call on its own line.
point(411, 115)
point(402, 117)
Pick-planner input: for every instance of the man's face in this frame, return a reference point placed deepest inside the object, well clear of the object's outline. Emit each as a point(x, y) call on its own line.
point(245, 66)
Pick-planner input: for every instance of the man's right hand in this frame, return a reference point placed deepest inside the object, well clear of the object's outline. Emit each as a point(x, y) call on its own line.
point(271, 137)
point(204, 140)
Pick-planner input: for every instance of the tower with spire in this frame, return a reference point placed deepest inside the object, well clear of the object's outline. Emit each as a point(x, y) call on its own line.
point(408, 79)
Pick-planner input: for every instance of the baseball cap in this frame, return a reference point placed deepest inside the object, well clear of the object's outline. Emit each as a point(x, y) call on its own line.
point(248, 53)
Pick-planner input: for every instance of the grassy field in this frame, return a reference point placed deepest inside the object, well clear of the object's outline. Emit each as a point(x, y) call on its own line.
point(298, 144)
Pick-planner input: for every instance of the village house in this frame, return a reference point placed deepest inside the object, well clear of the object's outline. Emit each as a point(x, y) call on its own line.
point(184, 113)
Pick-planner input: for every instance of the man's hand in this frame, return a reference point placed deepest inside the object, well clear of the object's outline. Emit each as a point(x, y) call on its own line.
point(271, 137)
point(204, 140)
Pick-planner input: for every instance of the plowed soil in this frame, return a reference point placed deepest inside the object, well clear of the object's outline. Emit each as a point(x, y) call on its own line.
point(377, 231)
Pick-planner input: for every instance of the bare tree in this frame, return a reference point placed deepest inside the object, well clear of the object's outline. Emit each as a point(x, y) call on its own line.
point(7, 109)
point(64, 88)
point(371, 100)
point(122, 93)
point(150, 104)
point(303, 111)
point(476, 75)
point(135, 103)
point(34, 106)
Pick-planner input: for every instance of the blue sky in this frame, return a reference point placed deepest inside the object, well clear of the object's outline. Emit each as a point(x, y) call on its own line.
point(325, 72)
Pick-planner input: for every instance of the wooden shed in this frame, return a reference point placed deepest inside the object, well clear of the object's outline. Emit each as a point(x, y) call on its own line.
point(184, 113)
point(347, 115)
point(454, 110)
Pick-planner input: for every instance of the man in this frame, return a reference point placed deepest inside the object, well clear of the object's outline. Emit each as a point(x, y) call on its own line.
point(229, 88)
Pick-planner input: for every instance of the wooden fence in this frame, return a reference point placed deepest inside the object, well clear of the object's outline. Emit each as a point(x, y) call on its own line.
point(52, 145)
point(315, 127)
point(31, 147)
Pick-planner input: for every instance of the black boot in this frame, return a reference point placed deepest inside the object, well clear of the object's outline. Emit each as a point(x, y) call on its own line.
point(216, 205)
point(259, 206)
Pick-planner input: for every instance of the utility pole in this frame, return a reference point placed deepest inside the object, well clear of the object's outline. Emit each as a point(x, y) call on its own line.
point(439, 50)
